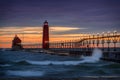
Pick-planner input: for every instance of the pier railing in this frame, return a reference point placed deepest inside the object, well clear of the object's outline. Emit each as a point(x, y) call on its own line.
point(108, 41)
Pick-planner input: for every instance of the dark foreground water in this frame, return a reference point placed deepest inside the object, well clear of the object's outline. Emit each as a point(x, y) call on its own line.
point(29, 64)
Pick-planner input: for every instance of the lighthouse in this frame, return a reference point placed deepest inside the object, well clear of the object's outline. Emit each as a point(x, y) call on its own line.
point(45, 41)
point(16, 43)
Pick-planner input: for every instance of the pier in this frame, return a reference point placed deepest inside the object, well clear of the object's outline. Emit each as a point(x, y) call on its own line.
point(108, 42)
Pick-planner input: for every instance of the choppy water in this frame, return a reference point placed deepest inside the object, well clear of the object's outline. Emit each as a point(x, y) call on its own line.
point(28, 64)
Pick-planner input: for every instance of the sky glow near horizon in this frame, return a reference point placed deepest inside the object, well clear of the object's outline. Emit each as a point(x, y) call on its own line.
point(67, 19)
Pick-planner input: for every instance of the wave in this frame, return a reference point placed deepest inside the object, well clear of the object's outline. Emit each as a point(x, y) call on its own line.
point(54, 62)
point(29, 62)
point(3, 49)
point(99, 72)
point(22, 62)
point(85, 59)
point(96, 55)
point(5, 65)
point(25, 73)
point(112, 66)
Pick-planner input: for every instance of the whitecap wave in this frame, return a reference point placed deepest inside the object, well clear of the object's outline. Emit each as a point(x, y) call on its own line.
point(25, 73)
point(5, 65)
point(96, 55)
point(54, 62)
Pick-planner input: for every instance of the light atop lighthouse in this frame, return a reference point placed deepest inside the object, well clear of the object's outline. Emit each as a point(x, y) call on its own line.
point(45, 23)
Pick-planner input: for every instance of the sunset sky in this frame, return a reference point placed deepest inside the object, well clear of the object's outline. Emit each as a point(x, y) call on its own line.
point(67, 19)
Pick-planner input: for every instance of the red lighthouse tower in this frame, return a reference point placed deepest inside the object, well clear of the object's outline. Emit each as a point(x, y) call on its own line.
point(45, 43)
